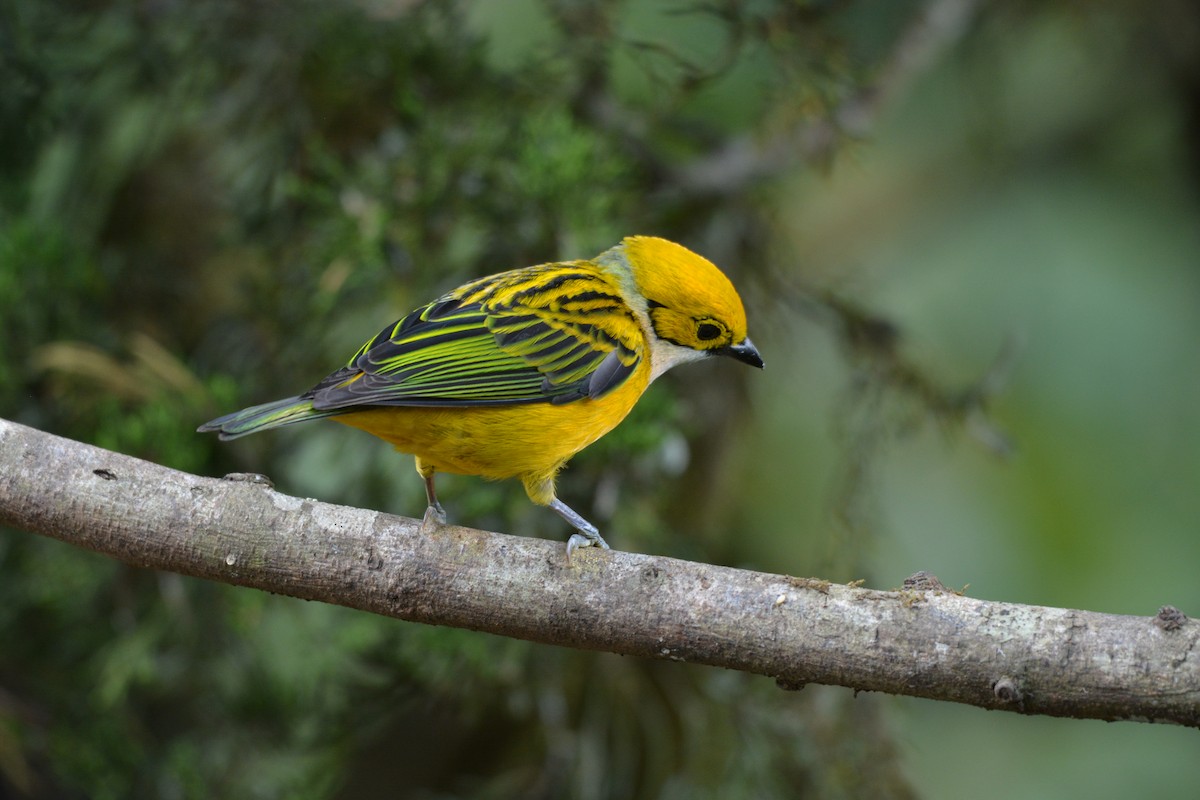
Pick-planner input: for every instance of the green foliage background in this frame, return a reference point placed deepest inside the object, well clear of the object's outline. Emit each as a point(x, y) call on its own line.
point(208, 205)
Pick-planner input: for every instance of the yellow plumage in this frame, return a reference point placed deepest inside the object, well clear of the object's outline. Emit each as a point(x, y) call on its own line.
point(512, 374)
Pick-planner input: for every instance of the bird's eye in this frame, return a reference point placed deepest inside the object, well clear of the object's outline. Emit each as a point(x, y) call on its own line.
point(708, 331)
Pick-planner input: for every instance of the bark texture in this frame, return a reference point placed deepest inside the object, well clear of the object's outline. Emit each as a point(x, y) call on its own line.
point(921, 640)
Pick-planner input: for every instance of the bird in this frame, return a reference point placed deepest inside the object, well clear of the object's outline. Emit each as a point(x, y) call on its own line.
point(510, 375)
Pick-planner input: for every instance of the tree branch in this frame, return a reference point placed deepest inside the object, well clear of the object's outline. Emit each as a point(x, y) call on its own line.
point(747, 159)
point(921, 640)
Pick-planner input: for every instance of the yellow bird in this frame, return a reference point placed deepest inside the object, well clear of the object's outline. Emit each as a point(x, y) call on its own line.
point(511, 375)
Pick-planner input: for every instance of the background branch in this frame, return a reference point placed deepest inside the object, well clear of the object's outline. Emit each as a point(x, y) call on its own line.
point(921, 640)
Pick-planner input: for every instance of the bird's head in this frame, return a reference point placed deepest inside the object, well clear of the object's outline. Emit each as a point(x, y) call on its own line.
point(692, 308)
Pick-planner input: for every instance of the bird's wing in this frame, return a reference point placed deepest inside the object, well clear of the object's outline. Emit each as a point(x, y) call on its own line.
point(554, 333)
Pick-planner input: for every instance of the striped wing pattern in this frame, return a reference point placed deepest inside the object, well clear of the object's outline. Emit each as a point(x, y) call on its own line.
point(554, 333)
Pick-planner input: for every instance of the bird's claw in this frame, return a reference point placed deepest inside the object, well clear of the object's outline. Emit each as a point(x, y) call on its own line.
point(435, 517)
point(585, 540)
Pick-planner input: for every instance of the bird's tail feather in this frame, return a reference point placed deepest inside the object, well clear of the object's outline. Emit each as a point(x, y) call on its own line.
point(265, 417)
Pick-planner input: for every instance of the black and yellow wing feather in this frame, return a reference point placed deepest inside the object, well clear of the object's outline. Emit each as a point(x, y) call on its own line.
point(555, 333)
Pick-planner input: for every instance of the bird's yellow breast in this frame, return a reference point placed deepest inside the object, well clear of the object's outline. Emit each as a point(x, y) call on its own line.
point(530, 441)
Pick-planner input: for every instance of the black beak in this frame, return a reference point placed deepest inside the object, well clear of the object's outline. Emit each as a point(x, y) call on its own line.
point(745, 352)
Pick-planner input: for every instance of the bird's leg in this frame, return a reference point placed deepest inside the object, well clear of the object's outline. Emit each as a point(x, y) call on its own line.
point(435, 515)
point(540, 488)
point(588, 536)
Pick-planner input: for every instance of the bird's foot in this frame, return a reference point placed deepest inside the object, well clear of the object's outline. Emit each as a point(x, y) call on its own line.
point(585, 539)
point(587, 536)
point(435, 517)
